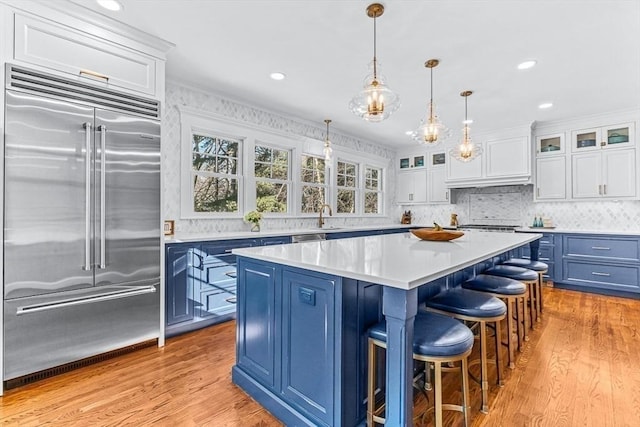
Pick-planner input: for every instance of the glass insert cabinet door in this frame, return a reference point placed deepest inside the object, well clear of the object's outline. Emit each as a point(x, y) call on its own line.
point(548, 145)
point(614, 136)
point(410, 162)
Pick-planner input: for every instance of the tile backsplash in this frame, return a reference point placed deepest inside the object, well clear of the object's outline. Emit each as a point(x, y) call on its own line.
point(513, 205)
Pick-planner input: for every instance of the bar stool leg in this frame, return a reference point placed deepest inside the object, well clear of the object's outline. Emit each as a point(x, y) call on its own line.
point(437, 368)
point(524, 314)
point(465, 390)
point(521, 322)
point(510, 330)
point(498, 344)
point(484, 382)
point(540, 290)
point(371, 386)
point(533, 298)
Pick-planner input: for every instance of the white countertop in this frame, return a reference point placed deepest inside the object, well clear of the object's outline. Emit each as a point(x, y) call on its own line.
point(580, 231)
point(398, 260)
point(201, 237)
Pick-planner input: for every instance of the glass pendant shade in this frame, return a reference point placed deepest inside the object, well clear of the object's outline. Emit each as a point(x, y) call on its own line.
point(376, 101)
point(327, 150)
point(431, 131)
point(466, 151)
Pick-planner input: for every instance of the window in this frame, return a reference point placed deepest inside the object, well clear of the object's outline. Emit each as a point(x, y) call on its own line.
point(314, 183)
point(372, 190)
point(214, 173)
point(346, 185)
point(271, 169)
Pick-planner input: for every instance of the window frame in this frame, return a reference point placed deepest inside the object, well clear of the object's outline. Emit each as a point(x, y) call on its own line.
point(194, 125)
point(358, 201)
point(289, 181)
point(252, 134)
point(380, 191)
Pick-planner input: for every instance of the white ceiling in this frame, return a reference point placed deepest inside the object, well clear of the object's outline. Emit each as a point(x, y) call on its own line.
point(588, 54)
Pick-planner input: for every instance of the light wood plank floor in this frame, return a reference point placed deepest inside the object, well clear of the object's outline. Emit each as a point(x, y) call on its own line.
point(581, 368)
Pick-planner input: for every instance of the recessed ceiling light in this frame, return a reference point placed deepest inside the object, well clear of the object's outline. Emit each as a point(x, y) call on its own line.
point(467, 122)
point(277, 76)
point(409, 132)
point(113, 5)
point(545, 105)
point(526, 64)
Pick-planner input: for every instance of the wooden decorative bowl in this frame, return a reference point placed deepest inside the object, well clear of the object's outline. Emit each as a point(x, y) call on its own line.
point(439, 236)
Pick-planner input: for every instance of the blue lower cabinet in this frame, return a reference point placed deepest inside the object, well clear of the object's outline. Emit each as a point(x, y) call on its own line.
point(179, 278)
point(601, 263)
point(200, 284)
point(258, 345)
point(310, 347)
point(625, 278)
point(301, 339)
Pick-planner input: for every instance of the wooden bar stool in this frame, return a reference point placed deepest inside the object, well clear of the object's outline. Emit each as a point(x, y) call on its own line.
point(437, 339)
point(539, 267)
point(479, 309)
point(524, 275)
point(513, 293)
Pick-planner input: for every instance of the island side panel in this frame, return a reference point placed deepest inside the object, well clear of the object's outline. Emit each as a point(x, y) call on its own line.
point(257, 340)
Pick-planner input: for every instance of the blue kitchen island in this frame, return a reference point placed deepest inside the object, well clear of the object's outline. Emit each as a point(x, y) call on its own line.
point(304, 309)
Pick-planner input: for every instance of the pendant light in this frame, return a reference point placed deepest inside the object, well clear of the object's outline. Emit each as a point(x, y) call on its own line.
point(376, 101)
point(431, 130)
point(328, 151)
point(466, 151)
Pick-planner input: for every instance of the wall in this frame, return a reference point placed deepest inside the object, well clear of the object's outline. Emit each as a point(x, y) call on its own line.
point(514, 205)
point(181, 95)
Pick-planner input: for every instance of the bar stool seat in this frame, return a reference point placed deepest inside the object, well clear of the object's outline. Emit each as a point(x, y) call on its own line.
point(479, 309)
point(510, 291)
point(437, 339)
point(526, 263)
point(539, 267)
point(524, 275)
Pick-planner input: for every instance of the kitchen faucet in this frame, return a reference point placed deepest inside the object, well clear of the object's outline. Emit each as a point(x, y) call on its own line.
point(320, 220)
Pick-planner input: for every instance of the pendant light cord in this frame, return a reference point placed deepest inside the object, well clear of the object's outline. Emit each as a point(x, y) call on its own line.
point(375, 74)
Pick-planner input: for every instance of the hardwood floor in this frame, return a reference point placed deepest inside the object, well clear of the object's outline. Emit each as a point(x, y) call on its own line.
point(581, 368)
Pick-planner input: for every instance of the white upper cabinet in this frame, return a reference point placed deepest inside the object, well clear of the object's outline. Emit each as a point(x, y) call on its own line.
point(610, 174)
point(78, 45)
point(508, 159)
point(605, 137)
point(421, 178)
point(550, 145)
point(551, 178)
point(411, 186)
point(505, 160)
point(437, 191)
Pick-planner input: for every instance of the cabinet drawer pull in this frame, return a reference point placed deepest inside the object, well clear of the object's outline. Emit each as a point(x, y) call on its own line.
point(600, 248)
point(227, 251)
point(595, 273)
point(94, 74)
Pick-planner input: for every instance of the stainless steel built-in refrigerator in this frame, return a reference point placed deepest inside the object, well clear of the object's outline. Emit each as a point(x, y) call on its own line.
point(81, 221)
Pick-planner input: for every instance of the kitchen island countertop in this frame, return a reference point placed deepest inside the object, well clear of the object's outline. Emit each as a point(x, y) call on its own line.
point(398, 260)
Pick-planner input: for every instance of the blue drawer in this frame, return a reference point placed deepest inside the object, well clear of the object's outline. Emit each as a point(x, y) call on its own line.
point(547, 239)
point(545, 254)
point(620, 248)
point(619, 277)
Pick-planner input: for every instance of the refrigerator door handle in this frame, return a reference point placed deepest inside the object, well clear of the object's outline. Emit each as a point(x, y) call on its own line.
point(133, 291)
point(103, 191)
point(87, 204)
